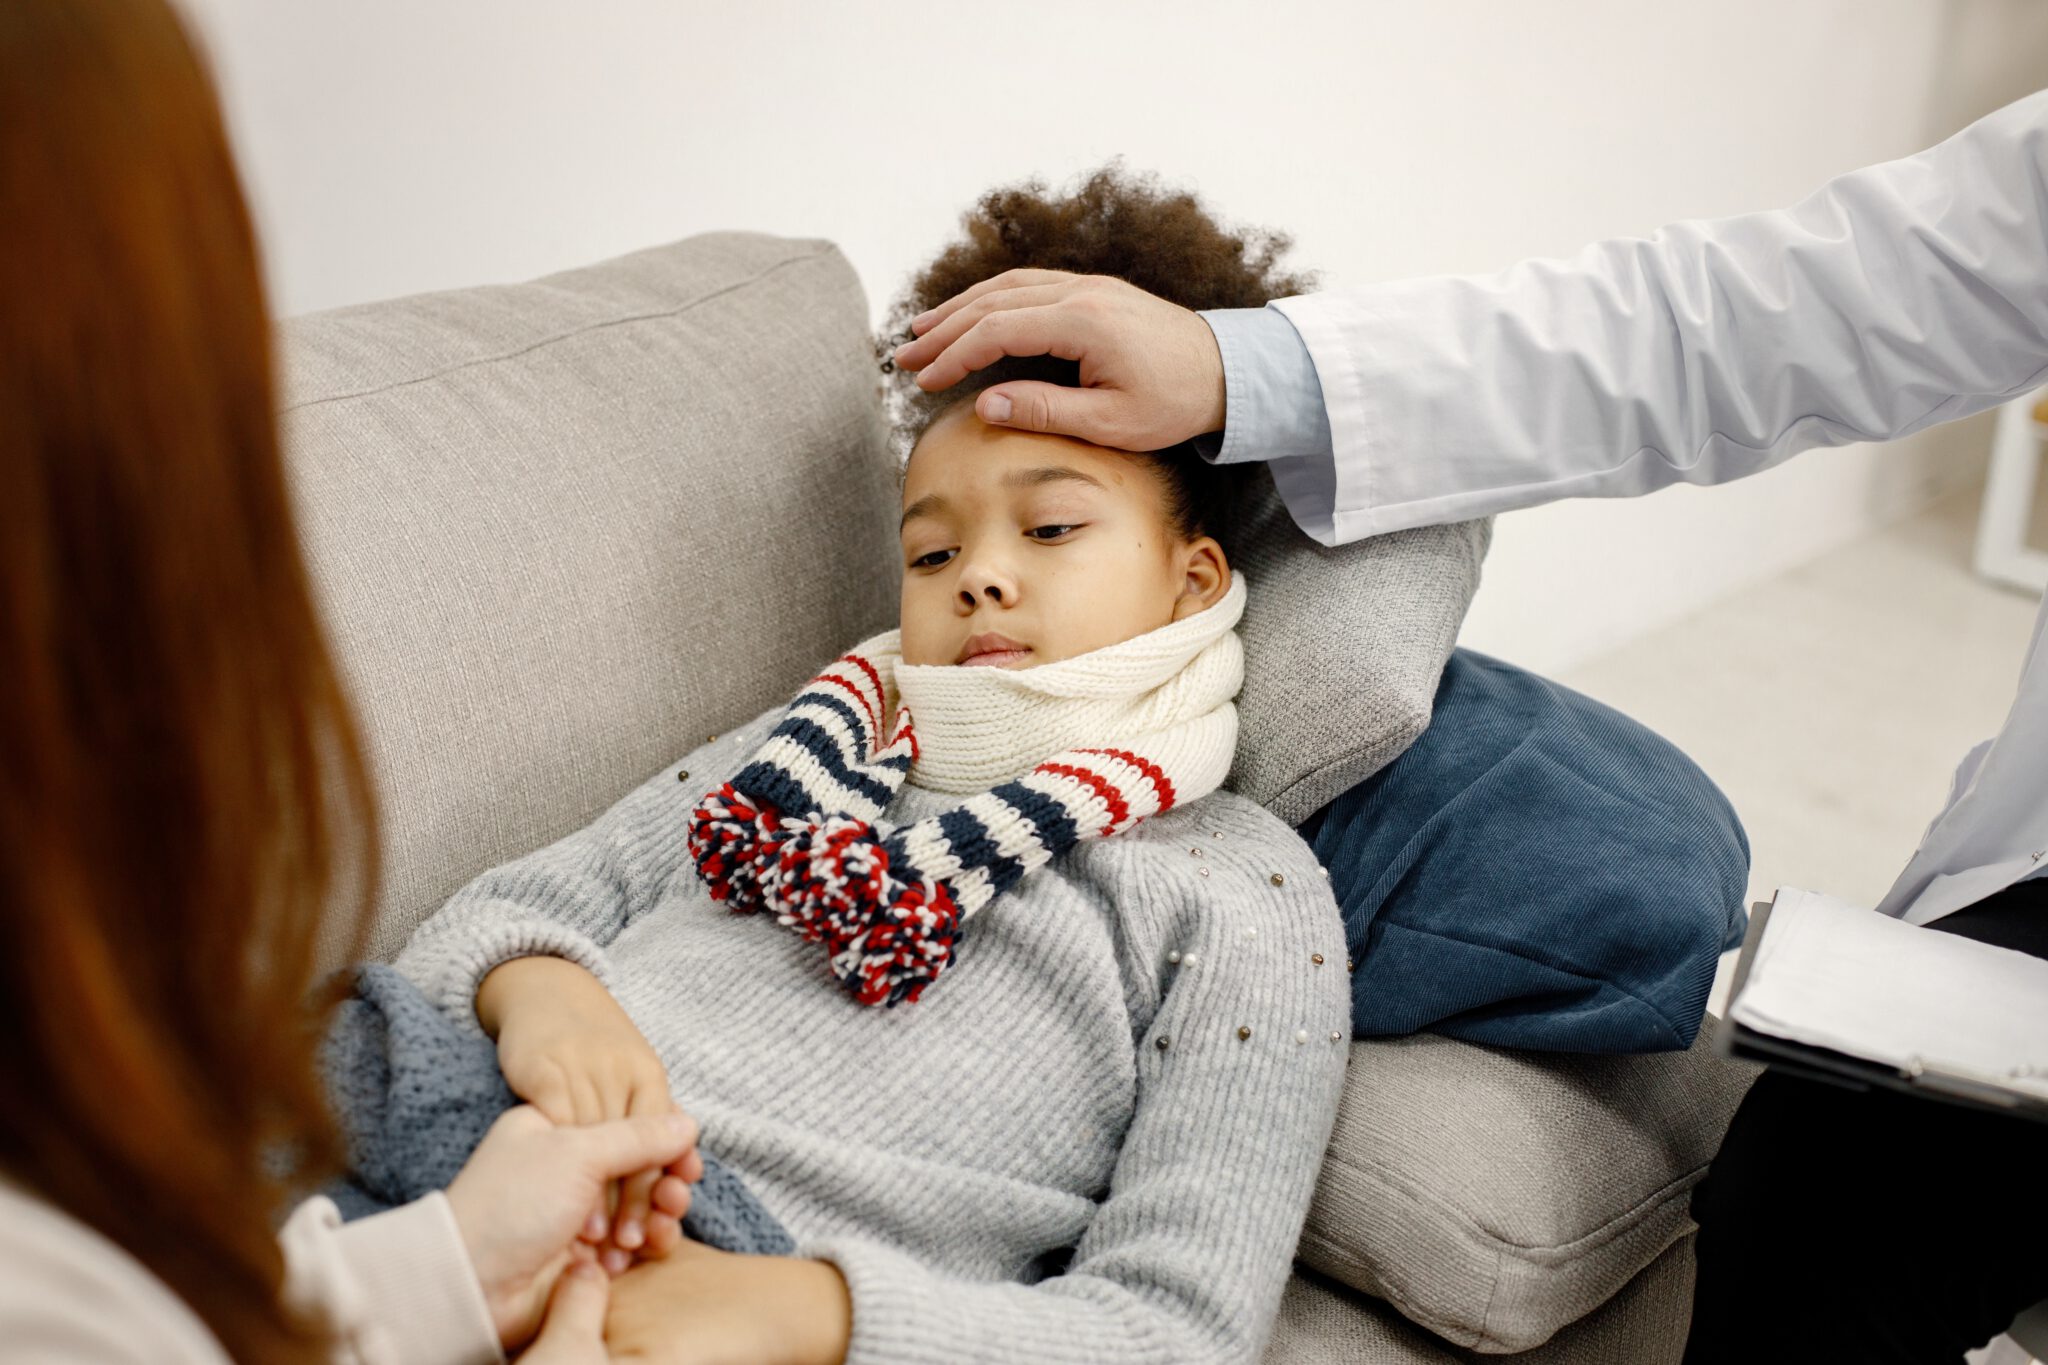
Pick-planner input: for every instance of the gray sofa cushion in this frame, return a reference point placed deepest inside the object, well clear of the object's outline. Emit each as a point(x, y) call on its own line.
point(563, 530)
point(1323, 1322)
point(1495, 1197)
point(1343, 648)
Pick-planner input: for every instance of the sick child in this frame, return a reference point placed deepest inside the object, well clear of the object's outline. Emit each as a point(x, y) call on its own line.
point(1028, 1031)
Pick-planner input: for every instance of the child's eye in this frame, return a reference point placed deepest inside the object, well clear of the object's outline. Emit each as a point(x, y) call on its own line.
point(1053, 532)
point(932, 560)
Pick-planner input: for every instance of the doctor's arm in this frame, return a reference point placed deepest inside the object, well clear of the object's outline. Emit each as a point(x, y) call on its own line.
point(1893, 298)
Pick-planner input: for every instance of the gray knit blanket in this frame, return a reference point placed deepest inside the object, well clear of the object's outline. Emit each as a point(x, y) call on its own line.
point(414, 1095)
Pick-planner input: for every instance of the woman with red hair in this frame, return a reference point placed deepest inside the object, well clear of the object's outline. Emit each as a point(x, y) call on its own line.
point(182, 795)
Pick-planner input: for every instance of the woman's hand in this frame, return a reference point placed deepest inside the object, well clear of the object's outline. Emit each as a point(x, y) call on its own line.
point(567, 1048)
point(532, 1189)
point(1151, 372)
point(700, 1306)
point(574, 1331)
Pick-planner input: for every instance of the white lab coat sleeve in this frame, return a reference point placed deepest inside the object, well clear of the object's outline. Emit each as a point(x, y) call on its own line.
point(1892, 298)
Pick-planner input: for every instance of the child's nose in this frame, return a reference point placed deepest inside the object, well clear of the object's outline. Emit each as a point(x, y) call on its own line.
point(984, 582)
point(970, 598)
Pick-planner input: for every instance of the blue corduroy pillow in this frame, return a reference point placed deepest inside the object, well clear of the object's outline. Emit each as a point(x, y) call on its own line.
point(1537, 870)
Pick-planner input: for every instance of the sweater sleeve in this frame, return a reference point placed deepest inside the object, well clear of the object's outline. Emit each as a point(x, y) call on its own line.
point(395, 1288)
point(1185, 1259)
point(572, 898)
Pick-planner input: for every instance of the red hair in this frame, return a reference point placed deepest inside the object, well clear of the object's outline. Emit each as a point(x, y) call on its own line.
point(182, 791)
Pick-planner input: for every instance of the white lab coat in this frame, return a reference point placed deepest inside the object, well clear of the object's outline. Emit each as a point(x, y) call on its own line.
point(1893, 298)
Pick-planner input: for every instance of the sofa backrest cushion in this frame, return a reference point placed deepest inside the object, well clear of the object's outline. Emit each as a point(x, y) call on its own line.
point(563, 530)
point(1343, 648)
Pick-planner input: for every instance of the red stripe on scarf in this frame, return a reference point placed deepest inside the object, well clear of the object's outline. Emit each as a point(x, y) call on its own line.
point(1111, 797)
point(1160, 784)
point(874, 722)
point(881, 693)
point(906, 730)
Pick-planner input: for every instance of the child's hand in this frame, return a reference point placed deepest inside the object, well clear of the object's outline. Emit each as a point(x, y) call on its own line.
point(707, 1307)
point(566, 1047)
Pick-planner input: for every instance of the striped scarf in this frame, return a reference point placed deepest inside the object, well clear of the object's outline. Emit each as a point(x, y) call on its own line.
point(1077, 749)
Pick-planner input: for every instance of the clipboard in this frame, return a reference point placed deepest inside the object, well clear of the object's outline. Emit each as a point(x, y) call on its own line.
point(1919, 1079)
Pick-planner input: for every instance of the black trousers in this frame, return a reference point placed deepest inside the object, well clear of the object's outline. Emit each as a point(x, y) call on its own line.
point(1870, 1227)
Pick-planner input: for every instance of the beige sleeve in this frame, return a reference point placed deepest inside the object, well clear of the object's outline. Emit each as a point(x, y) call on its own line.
point(396, 1288)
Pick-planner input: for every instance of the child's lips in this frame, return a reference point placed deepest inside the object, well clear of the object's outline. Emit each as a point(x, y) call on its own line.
point(990, 650)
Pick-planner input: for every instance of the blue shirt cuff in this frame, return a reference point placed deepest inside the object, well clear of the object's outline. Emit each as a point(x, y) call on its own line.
point(1272, 400)
point(1273, 411)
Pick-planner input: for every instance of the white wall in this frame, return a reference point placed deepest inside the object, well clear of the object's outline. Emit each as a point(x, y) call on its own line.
point(395, 145)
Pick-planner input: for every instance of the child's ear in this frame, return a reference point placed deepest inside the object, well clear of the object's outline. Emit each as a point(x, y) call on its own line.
point(1207, 577)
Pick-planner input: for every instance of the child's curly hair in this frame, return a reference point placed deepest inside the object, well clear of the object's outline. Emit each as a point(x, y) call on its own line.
point(1117, 223)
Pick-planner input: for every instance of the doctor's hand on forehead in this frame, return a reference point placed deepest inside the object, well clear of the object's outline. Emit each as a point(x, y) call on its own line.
point(1151, 373)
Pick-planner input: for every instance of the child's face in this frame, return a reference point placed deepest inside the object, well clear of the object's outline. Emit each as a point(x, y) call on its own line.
point(1021, 548)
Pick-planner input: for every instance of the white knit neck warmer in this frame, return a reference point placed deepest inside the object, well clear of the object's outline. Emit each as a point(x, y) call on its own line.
point(1167, 692)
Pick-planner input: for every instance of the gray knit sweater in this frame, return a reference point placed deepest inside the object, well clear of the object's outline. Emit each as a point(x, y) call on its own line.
point(1137, 1055)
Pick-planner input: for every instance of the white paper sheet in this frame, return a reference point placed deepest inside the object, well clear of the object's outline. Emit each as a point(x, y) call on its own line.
point(1835, 975)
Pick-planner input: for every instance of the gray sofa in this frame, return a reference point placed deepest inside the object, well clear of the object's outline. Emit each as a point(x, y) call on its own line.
point(564, 530)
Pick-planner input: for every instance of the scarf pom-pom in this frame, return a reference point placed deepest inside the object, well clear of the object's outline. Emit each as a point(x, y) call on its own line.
point(906, 943)
point(888, 936)
point(824, 875)
point(735, 842)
